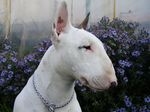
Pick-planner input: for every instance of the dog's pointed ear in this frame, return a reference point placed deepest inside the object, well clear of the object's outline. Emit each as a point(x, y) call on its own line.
point(85, 22)
point(62, 18)
point(61, 24)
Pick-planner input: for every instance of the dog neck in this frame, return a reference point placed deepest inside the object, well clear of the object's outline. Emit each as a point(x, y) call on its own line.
point(52, 85)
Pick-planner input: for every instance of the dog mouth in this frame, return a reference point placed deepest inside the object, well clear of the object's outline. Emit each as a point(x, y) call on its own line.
point(84, 82)
point(95, 89)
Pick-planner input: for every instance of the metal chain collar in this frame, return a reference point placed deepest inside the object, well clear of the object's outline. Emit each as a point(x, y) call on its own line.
point(51, 106)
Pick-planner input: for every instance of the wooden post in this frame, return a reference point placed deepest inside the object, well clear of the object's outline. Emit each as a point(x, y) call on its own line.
point(114, 13)
point(7, 18)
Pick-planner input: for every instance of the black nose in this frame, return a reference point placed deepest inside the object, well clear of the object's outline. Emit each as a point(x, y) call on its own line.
point(113, 84)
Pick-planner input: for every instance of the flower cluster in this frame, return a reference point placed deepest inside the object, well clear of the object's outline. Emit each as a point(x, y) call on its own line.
point(127, 101)
point(147, 99)
point(120, 110)
point(8, 61)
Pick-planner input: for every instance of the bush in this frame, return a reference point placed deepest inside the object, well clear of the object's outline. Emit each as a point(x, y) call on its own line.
point(128, 47)
point(14, 72)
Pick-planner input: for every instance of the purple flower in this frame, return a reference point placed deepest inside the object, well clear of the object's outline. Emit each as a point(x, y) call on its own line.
point(105, 20)
point(9, 66)
point(21, 63)
point(14, 53)
point(41, 49)
point(134, 109)
point(10, 74)
point(7, 46)
point(28, 70)
point(120, 110)
point(30, 57)
point(14, 59)
point(144, 108)
point(127, 101)
point(125, 34)
point(114, 32)
point(125, 79)
point(105, 35)
point(136, 53)
point(2, 81)
point(107, 48)
point(124, 63)
point(120, 71)
point(147, 99)
point(3, 73)
point(145, 41)
point(2, 59)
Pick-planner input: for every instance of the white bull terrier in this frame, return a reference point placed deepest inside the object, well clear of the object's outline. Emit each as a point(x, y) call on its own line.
point(75, 54)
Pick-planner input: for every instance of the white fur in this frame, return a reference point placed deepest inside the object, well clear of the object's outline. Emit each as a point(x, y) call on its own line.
point(61, 65)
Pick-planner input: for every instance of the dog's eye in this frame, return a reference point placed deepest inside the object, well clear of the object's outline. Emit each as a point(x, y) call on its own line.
point(87, 47)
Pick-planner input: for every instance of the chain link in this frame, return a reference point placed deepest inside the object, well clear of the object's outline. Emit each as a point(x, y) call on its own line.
point(51, 107)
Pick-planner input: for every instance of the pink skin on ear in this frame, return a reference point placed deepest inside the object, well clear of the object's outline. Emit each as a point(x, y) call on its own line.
point(60, 25)
point(62, 19)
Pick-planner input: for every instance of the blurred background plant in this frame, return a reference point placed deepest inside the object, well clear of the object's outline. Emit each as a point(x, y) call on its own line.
point(128, 46)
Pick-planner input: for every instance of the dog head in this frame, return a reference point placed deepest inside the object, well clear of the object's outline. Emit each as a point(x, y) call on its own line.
point(82, 54)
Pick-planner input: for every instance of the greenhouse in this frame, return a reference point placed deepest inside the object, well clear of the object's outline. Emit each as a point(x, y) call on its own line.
point(54, 37)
